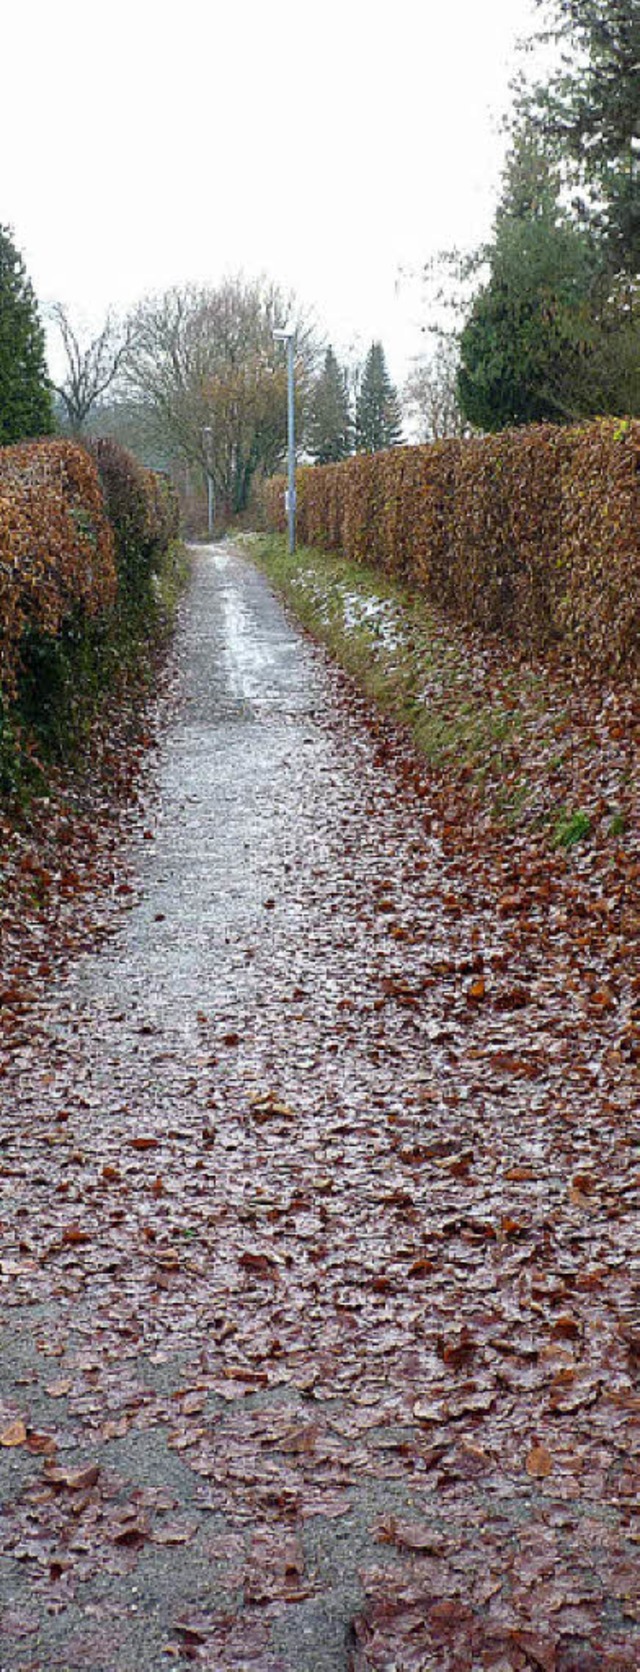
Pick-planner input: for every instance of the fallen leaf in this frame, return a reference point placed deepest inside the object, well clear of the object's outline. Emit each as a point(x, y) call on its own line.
point(539, 1462)
point(71, 1480)
point(41, 1445)
point(14, 1435)
point(174, 1532)
point(74, 1234)
point(411, 1535)
point(262, 1265)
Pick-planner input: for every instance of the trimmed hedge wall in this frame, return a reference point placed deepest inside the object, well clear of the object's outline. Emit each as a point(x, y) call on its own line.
point(84, 531)
point(81, 527)
point(57, 551)
point(534, 533)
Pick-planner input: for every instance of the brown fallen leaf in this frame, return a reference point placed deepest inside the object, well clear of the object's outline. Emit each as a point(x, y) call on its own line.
point(566, 1327)
point(424, 1412)
point(115, 1428)
point(174, 1532)
point(456, 1354)
point(14, 1435)
point(539, 1462)
point(130, 1530)
point(41, 1445)
point(71, 1480)
point(143, 1142)
point(263, 1265)
point(193, 1403)
point(421, 1268)
point(540, 1651)
point(57, 1390)
point(167, 1260)
point(410, 1535)
point(269, 1107)
point(578, 1198)
point(195, 1630)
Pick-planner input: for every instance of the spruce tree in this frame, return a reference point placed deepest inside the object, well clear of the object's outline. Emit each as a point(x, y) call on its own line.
point(587, 113)
point(378, 414)
point(330, 427)
point(25, 396)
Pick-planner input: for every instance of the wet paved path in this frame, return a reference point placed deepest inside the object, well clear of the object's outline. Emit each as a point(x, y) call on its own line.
point(268, 1348)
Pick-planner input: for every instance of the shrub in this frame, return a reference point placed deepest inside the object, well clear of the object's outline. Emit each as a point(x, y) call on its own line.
point(143, 511)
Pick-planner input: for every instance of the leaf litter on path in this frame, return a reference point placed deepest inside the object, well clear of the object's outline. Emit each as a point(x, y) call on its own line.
point(369, 1354)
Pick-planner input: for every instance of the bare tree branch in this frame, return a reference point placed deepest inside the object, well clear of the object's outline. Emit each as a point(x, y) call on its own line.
point(92, 367)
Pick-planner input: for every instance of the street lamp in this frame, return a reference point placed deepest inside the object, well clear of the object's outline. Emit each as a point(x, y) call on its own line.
point(207, 433)
point(286, 334)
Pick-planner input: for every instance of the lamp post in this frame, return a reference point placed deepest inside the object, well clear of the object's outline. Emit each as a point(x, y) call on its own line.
point(207, 433)
point(287, 335)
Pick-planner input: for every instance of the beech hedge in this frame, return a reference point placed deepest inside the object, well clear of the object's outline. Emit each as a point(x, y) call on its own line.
point(533, 533)
point(57, 549)
point(80, 528)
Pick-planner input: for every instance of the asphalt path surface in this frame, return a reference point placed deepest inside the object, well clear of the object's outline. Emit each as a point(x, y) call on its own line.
point(216, 1335)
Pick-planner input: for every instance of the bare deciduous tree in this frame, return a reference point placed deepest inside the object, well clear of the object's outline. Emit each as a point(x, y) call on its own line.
point(91, 366)
point(204, 364)
point(430, 395)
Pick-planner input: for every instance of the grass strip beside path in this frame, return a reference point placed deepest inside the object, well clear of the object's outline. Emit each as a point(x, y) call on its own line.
point(535, 747)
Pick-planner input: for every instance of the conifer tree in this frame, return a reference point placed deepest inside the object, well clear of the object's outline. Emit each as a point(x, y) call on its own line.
point(587, 114)
point(330, 428)
point(25, 396)
point(549, 336)
point(378, 413)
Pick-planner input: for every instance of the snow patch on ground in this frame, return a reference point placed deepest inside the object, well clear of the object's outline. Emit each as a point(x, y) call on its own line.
point(380, 616)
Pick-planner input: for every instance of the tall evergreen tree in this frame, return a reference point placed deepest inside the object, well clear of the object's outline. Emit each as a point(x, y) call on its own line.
point(330, 433)
point(378, 412)
point(549, 335)
point(25, 396)
point(588, 112)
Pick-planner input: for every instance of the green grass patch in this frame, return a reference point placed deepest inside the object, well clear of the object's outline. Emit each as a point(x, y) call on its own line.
point(572, 828)
point(617, 824)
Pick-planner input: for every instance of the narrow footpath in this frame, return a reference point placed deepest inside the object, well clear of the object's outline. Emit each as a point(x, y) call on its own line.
point(316, 1343)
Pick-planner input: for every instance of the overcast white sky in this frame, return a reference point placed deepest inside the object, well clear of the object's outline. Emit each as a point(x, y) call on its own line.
point(327, 147)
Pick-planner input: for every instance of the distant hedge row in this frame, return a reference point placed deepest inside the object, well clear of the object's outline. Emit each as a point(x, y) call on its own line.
point(533, 533)
point(77, 528)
